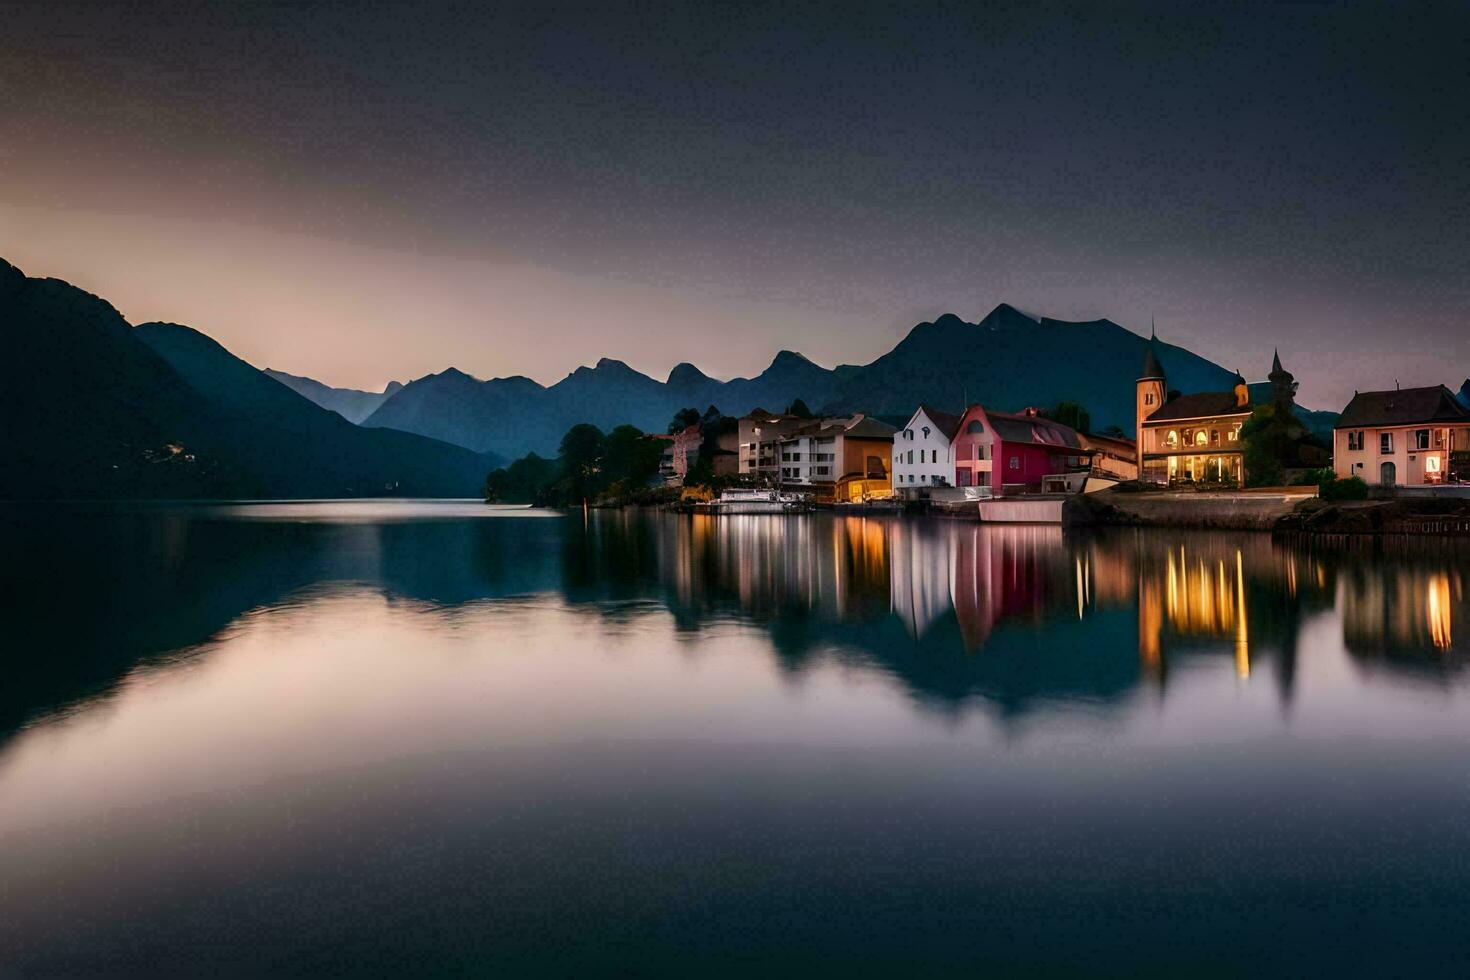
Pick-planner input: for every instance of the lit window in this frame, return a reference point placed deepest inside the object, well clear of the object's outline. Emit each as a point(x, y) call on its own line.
point(1015, 462)
point(1172, 438)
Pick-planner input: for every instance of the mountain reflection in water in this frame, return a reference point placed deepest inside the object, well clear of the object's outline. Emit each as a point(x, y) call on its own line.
point(956, 611)
point(435, 738)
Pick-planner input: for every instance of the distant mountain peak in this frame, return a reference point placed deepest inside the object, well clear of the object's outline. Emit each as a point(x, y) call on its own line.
point(791, 358)
point(686, 374)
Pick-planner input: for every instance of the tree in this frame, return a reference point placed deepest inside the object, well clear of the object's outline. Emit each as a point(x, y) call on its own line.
point(799, 409)
point(580, 457)
point(526, 481)
point(683, 419)
point(1265, 442)
point(629, 455)
point(1069, 414)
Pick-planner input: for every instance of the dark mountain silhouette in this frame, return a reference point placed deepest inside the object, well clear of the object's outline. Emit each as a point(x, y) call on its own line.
point(91, 411)
point(1008, 360)
point(297, 448)
point(350, 403)
point(97, 408)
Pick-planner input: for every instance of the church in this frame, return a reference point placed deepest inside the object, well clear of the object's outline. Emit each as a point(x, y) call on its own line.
point(1193, 440)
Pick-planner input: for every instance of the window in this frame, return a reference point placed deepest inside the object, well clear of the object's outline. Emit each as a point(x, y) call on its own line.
point(1172, 439)
point(1421, 438)
point(1148, 398)
point(908, 433)
point(1355, 441)
point(821, 470)
point(1214, 437)
point(1201, 438)
point(911, 456)
point(1385, 442)
point(925, 430)
point(1234, 434)
point(1015, 462)
point(975, 428)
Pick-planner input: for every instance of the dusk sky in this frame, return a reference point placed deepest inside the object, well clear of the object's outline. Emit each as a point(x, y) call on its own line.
point(376, 192)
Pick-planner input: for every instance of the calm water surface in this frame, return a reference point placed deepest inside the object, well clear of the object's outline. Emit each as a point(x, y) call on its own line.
point(380, 737)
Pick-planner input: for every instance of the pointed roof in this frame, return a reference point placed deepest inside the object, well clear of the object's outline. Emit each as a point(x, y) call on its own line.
point(946, 422)
point(1276, 361)
point(1152, 369)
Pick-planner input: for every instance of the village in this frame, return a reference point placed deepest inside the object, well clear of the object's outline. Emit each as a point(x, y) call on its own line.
point(1213, 458)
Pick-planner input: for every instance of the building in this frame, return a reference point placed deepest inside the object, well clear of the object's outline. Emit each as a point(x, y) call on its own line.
point(1013, 453)
point(842, 458)
point(760, 433)
point(1194, 439)
point(923, 457)
point(680, 453)
point(1113, 458)
point(1408, 437)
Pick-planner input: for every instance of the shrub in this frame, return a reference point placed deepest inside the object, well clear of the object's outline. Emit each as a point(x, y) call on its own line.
point(1351, 488)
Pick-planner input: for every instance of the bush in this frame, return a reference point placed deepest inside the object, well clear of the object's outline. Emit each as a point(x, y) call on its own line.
point(1351, 488)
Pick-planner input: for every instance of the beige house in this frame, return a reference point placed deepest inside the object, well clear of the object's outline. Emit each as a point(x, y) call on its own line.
point(760, 434)
point(1404, 437)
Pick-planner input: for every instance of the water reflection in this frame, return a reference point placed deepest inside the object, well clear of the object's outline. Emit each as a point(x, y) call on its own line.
point(458, 744)
point(956, 611)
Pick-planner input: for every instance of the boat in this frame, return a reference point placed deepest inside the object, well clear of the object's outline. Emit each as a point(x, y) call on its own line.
point(755, 502)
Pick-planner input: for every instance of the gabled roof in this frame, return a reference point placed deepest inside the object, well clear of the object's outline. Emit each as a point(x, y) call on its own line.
point(855, 427)
point(945, 422)
point(1198, 406)
point(1033, 430)
point(1402, 407)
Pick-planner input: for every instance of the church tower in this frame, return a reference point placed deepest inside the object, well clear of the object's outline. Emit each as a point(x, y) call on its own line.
point(1283, 388)
point(1149, 394)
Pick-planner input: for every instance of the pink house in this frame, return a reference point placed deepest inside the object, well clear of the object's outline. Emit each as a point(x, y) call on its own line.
point(1011, 453)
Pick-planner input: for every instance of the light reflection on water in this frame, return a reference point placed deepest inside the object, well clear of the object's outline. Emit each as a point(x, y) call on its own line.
point(331, 736)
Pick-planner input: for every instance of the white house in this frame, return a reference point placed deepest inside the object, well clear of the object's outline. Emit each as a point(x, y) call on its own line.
point(1404, 437)
point(923, 457)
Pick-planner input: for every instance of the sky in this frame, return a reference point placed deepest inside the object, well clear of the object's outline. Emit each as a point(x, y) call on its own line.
point(370, 192)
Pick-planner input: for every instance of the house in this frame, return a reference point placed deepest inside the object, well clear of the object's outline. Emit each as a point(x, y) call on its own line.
point(840, 458)
point(923, 457)
point(759, 433)
point(1408, 436)
point(680, 453)
point(1191, 439)
point(1012, 453)
point(1113, 458)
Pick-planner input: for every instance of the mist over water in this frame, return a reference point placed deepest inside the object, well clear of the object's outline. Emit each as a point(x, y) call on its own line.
point(385, 736)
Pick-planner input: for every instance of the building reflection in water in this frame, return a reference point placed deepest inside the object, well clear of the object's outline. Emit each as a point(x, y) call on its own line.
point(1407, 613)
point(835, 583)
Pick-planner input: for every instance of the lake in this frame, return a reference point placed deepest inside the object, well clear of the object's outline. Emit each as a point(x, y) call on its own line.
point(439, 737)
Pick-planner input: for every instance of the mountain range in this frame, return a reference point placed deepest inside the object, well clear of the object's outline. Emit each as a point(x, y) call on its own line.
point(95, 407)
point(351, 404)
point(1008, 360)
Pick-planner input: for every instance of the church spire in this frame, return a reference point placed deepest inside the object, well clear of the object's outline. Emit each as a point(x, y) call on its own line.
point(1276, 361)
